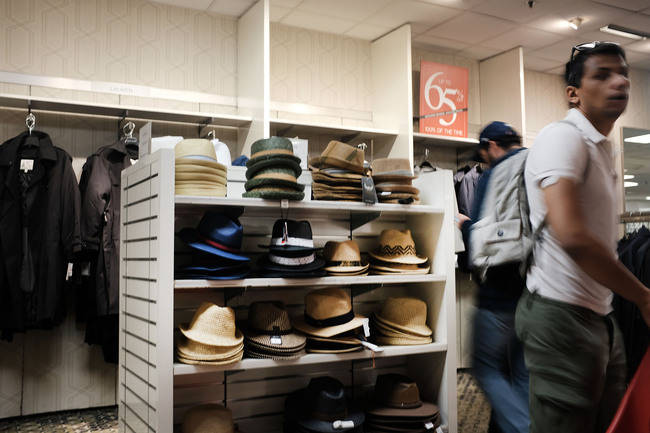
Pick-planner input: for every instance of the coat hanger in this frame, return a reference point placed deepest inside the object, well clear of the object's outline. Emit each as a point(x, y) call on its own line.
point(128, 137)
point(31, 139)
point(424, 161)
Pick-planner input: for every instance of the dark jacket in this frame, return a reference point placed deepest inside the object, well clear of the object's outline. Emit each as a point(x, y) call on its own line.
point(39, 232)
point(100, 221)
point(503, 285)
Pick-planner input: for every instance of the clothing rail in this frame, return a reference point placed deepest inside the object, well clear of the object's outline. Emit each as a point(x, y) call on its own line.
point(634, 217)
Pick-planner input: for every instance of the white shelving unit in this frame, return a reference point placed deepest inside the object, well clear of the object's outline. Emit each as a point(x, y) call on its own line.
point(154, 391)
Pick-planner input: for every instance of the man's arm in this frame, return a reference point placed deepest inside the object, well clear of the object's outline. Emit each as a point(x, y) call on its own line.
point(566, 219)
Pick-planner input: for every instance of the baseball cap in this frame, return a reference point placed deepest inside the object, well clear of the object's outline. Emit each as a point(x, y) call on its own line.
point(494, 131)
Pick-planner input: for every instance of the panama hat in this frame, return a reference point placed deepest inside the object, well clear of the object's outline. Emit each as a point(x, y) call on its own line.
point(187, 349)
point(405, 314)
point(391, 169)
point(201, 176)
point(341, 155)
point(397, 246)
point(268, 326)
point(343, 257)
point(396, 395)
point(183, 167)
point(217, 234)
point(197, 151)
point(317, 407)
point(213, 325)
point(208, 418)
point(328, 312)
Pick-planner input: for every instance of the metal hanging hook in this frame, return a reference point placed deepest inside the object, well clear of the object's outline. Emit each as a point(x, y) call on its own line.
point(128, 129)
point(30, 121)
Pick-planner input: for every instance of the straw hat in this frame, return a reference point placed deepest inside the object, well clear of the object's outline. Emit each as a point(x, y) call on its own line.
point(197, 151)
point(213, 325)
point(343, 257)
point(208, 418)
point(328, 312)
point(268, 326)
point(192, 350)
point(405, 314)
point(397, 246)
point(342, 155)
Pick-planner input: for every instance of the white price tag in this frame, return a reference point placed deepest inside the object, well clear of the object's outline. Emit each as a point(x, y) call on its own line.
point(26, 164)
point(276, 339)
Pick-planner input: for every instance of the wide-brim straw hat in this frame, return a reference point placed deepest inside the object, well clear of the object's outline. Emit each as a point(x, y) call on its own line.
point(342, 155)
point(387, 268)
point(192, 350)
point(213, 325)
point(328, 312)
point(224, 361)
point(189, 168)
point(207, 191)
point(343, 257)
point(405, 314)
point(336, 344)
point(397, 246)
point(198, 176)
point(268, 326)
point(388, 169)
point(197, 151)
point(271, 148)
point(208, 418)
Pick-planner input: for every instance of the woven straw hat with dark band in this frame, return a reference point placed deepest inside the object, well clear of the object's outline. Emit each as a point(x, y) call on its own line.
point(328, 312)
point(269, 330)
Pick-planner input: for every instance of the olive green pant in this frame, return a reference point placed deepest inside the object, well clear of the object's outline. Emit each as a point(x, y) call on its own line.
point(577, 365)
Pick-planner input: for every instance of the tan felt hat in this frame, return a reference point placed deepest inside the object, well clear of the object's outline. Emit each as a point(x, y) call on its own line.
point(405, 314)
point(391, 168)
point(210, 417)
point(338, 154)
point(213, 325)
point(397, 246)
point(328, 312)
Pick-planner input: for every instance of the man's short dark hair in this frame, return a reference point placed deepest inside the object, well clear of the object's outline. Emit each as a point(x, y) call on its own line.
point(575, 66)
point(508, 141)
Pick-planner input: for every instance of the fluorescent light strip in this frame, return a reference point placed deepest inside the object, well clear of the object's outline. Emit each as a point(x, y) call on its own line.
point(625, 32)
point(643, 139)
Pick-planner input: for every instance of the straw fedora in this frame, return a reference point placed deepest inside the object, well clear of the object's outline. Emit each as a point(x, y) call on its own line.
point(192, 350)
point(317, 407)
point(405, 314)
point(342, 155)
point(397, 246)
point(217, 234)
point(328, 312)
point(198, 151)
point(343, 257)
point(213, 325)
point(208, 418)
point(396, 395)
point(268, 326)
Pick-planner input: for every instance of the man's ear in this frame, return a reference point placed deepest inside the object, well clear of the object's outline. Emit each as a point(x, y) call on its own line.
point(572, 95)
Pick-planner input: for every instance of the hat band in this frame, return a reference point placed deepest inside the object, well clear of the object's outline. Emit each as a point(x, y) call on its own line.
point(275, 331)
point(396, 250)
point(330, 417)
point(292, 261)
point(271, 152)
point(292, 241)
point(342, 263)
point(217, 244)
point(397, 405)
point(330, 321)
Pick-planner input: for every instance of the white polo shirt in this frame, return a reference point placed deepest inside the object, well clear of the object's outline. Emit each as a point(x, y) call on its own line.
point(585, 155)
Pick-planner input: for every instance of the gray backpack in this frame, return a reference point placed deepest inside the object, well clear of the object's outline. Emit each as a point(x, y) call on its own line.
point(503, 233)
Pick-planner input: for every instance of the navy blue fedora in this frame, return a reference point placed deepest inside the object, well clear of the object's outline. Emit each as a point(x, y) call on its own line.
point(217, 234)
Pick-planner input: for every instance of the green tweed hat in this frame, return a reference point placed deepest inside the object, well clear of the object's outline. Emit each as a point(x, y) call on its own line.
point(272, 193)
point(271, 148)
point(279, 165)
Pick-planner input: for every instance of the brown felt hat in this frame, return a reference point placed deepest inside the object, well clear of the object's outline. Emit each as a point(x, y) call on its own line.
point(396, 395)
point(386, 169)
point(405, 314)
point(328, 312)
point(341, 257)
point(339, 154)
point(397, 246)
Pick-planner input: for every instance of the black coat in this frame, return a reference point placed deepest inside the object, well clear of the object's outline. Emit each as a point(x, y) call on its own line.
point(43, 215)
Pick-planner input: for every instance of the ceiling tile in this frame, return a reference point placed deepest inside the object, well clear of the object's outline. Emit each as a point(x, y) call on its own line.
point(517, 10)
point(521, 36)
point(317, 22)
point(367, 31)
point(441, 45)
point(471, 27)
point(357, 10)
point(478, 53)
point(631, 5)
point(401, 12)
point(235, 8)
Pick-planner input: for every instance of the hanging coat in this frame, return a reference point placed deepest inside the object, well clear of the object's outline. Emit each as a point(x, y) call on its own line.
point(39, 232)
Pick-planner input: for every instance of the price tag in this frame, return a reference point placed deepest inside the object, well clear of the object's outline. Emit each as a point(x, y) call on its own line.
point(26, 165)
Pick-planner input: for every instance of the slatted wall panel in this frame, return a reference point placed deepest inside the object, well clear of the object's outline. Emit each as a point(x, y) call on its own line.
point(146, 289)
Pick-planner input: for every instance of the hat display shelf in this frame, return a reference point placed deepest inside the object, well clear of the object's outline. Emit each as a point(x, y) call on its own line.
point(155, 389)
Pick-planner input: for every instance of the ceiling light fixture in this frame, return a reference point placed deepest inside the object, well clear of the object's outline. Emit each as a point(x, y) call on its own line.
point(574, 23)
point(630, 184)
point(642, 139)
point(625, 32)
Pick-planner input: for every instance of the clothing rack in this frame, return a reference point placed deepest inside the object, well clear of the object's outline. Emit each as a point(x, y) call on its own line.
point(634, 217)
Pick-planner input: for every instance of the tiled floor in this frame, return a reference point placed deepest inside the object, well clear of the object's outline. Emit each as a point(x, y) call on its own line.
point(473, 413)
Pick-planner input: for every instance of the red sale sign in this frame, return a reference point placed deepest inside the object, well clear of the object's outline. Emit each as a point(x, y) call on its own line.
point(443, 99)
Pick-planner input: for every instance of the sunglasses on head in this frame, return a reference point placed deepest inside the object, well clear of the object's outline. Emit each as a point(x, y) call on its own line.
point(587, 46)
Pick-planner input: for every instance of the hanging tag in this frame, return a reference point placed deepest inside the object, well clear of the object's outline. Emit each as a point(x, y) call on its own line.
point(342, 425)
point(428, 425)
point(366, 328)
point(68, 274)
point(439, 430)
point(284, 203)
point(276, 339)
point(368, 192)
point(285, 233)
point(26, 165)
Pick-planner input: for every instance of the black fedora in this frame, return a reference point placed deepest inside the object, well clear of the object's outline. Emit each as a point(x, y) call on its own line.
point(323, 407)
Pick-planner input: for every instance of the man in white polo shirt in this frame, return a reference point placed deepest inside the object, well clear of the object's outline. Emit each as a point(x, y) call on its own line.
point(573, 347)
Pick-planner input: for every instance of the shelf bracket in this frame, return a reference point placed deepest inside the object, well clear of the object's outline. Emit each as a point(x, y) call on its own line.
point(359, 219)
point(232, 293)
point(349, 137)
point(284, 132)
point(362, 289)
